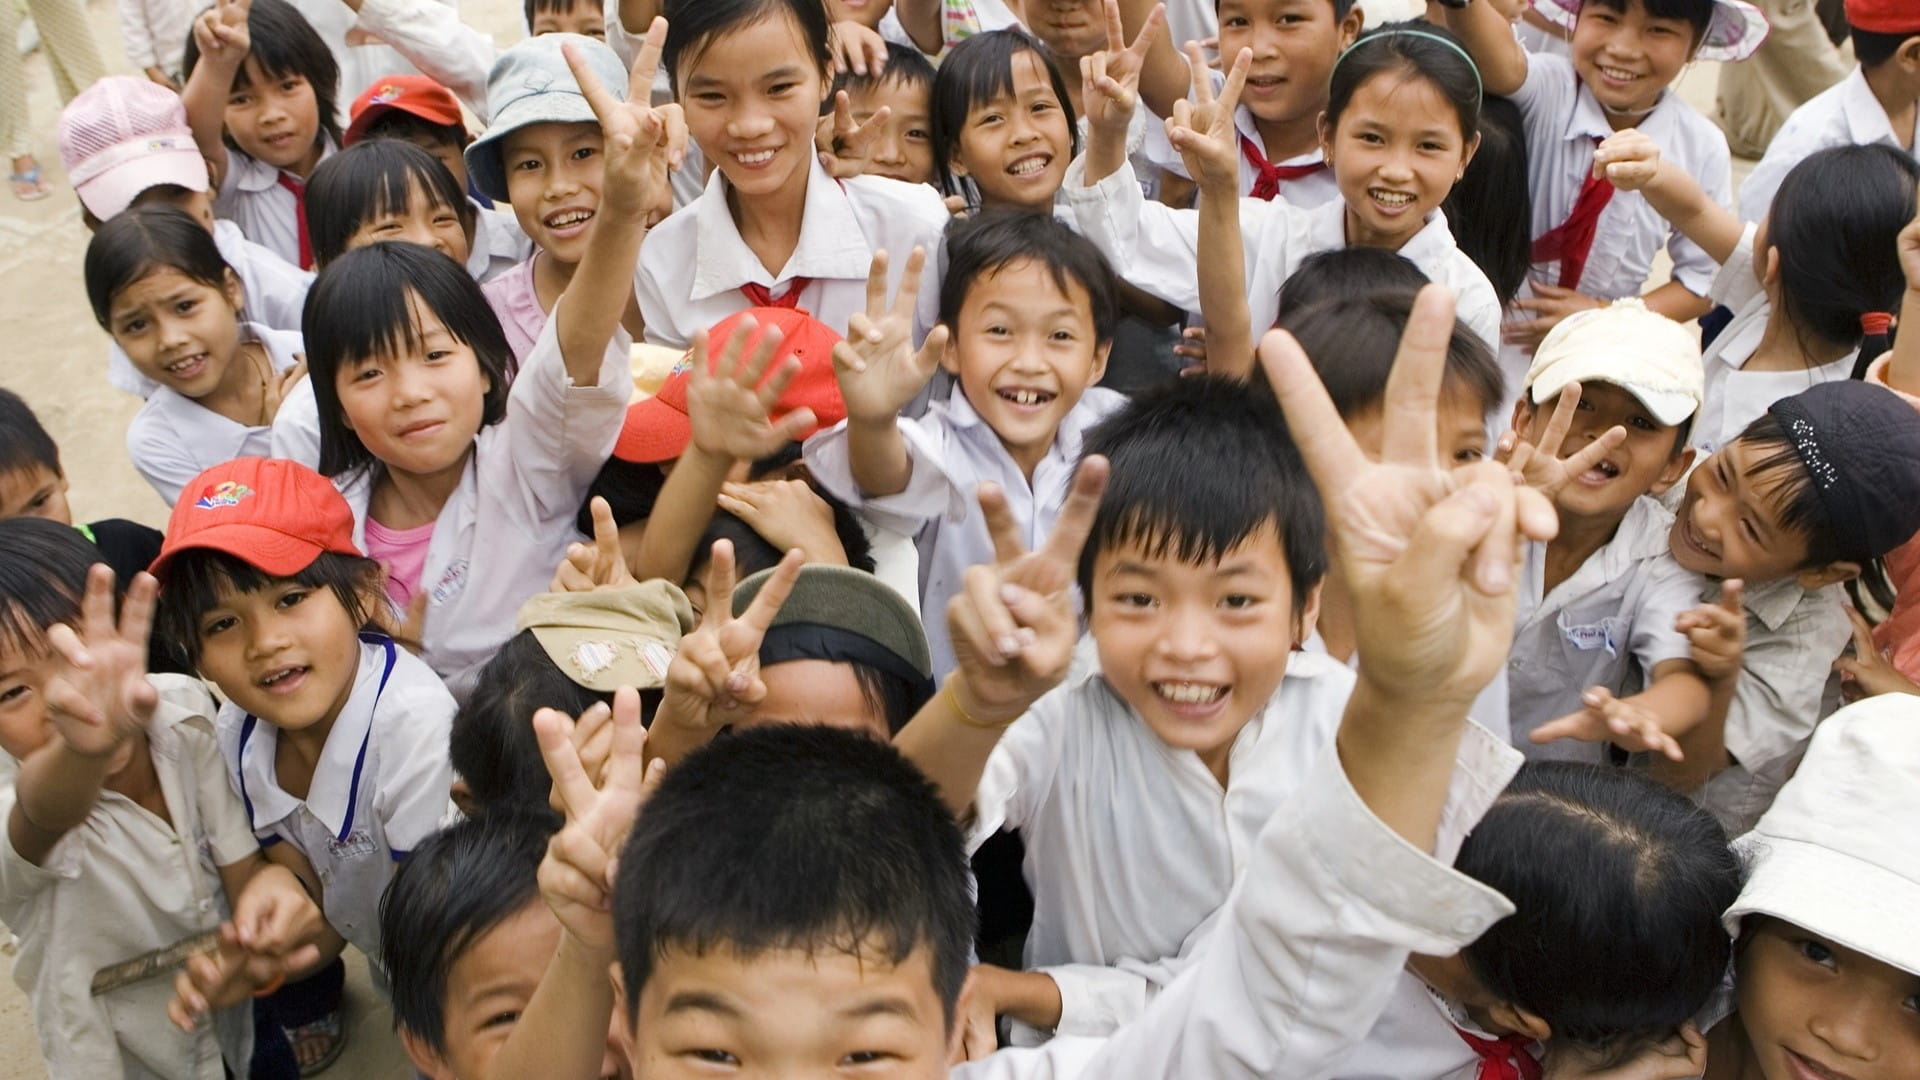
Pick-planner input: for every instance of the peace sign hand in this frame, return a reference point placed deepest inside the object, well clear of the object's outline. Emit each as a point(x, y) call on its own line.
point(716, 674)
point(599, 565)
point(849, 142)
point(1110, 78)
point(1202, 128)
point(101, 695)
point(1540, 465)
point(641, 142)
point(878, 369)
point(222, 35)
point(1717, 633)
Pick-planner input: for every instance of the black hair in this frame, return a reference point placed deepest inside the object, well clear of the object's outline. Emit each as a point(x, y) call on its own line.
point(405, 126)
point(140, 241)
point(558, 7)
point(1411, 49)
point(1199, 466)
point(369, 180)
point(1697, 14)
point(630, 488)
point(1340, 8)
point(1872, 48)
point(1490, 209)
point(284, 43)
point(24, 442)
point(361, 306)
point(1341, 272)
point(1777, 465)
point(992, 240)
point(492, 745)
point(786, 464)
point(42, 580)
point(692, 25)
point(196, 580)
point(1352, 343)
point(458, 885)
point(795, 837)
point(975, 71)
point(906, 66)
point(888, 694)
point(1618, 884)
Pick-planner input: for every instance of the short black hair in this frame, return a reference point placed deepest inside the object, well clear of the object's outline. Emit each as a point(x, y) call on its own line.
point(369, 180)
point(1618, 884)
point(976, 71)
point(460, 883)
point(1352, 343)
point(1339, 273)
point(1199, 465)
point(906, 66)
point(24, 443)
point(492, 745)
point(888, 694)
point(795, 837)
point(692, 25)
point(561, 7)
point(142, 240)
point(405, 126)
point(992, 240)
point(42, 580)
point(1873, 49)
point(359, 307)
point(284, 43)
point(197, 580)
point(1695, 13)
point(1340, 8)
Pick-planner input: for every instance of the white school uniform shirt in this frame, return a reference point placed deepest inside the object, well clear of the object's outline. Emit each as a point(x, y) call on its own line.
point(122, 883)
point(362, 59)
point(1489, 707)
point(433, 38)
point(1416, 1038)
point(381, 786)
point(1733, 397)
point(952, 452)
point(1845, 114)
point(694, 263)
point(174, 438)
point(1156, 248)
point(498, 244)
point(251, 196)
point(154, 33)
point(1314, 189)
point(1608, 624)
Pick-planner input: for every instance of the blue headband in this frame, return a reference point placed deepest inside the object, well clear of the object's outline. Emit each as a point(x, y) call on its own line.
point(1479, 87)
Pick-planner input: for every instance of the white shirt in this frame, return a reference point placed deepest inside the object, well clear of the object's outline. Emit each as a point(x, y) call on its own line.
point(1314, 189)
point(693, 264)
point(360, 64)
point(1845, 114)
point(1156, 248)
point(432, 37)
point(380, 788)
point(251, 196)
point(952, 452)
point(498, 244)
point(174, 438)
point(1489, 708)
point(1416, 1038)
point(1608, 624)
point(123, 883)
point(152, 33)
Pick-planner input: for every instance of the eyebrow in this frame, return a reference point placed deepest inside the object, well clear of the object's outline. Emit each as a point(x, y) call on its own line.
point(891, 1006)
point(700, 1001)
point(1233, 569)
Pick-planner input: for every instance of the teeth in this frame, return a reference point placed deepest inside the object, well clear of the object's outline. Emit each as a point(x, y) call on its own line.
point(183, 364)
point(1390, 198)
point(1617, 73)
point(569, 218)
point(1189, 693)
point(757, 157)
point(277, 676)
point(1026, 397)
point(1029, 166)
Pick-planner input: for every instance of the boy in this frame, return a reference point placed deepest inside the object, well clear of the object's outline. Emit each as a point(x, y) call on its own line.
point(433, 37)
point(902, 149)
point(1875, 103)
point(1027, 311)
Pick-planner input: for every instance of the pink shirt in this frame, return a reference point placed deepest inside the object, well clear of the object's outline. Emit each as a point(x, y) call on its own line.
point(403, 552)
point(518, 307)
point(1899, 635)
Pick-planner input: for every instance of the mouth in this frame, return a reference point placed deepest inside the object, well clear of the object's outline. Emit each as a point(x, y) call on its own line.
point(1025, 397)
point(187, 367)
point(1390, 201)
point(1618, 75)
point(1691, 536)
point(420, 428)
point(1805, 1068)
point(1189, 700)
point(1030, 165)
point(1265, 82)
point(568, 222)
point(1603, 473)
point(283, 680)
point(756, 159)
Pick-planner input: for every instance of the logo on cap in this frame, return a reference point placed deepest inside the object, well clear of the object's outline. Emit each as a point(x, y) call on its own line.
point(226, 493)
point(386, 93)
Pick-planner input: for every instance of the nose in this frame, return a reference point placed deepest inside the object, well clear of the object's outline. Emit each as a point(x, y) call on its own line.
point(1266, 42)
point(173, 332)
point(563, 180)
point(420, 233)
point(749, 121)
point(890, 148)
point(410, 385)
point(265, 638)
point(1188, 635)
point(1845, 1023)
point(1396, 168)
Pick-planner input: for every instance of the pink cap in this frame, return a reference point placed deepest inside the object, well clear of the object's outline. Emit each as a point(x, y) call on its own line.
point(123, 135)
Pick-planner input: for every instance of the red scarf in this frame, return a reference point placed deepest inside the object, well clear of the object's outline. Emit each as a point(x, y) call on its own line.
point(1267, 185)
point(1572, 240)
point(761, 296)
point(1505, 1058)
point(299, 190)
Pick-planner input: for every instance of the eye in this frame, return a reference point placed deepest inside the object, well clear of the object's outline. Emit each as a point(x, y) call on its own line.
point(1432, 147)
point(779, 89)
point(918, 135)
point(366, 374)
point(997, 331)
point(1746, 529)
point(1467, 456)
point(1238, 601)
point(185, 307)
point(1061, 335)
point(1133, 600)
point(585, 152)
point(236, 101)
point(865, 1057)
point(1044, 105)
point(525, 165)
point(501, 1019)
point(13, 694)
point(39, 500)
point(1372, 138)
point(133, 326)
point(442, 221)
point(714, 1057)
point(1237, 22)
point(386, 227)
point(599, 32)
point(217, 625)
point(1816, 951)
point(1292, 19)
point(438, 354)
point(290, 598)
point(986, 118)
point(709, 97)
point(1641, 423)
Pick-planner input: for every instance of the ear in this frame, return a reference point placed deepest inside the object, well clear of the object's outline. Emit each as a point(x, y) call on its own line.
point(1100, 354)
point(1513, 1018)
point(462, 797)
point(1770, 266)
point(1326, 138)
point(1351, 26)
point(623, 1017)
point(1819, 577)
point(1676, 470)
point(425, 1060)
point(1466, 159)
point(957, 1027)
point(950, 355)
point(1309, 616)
point(236, 293)
point(1908, 54)
point(1523, 411)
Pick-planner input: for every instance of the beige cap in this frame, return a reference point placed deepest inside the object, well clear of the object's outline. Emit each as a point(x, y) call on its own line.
point(1644, 353)
point(609, 638)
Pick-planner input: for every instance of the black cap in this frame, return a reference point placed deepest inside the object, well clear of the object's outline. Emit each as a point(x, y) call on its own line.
point(1861, 445)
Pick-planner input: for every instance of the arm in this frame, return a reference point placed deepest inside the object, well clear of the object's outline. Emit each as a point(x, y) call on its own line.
point(1111, 86)
point(221, 34)
point(1488, 36)
point(1675, 702)
point(436, 40)
point(1717, 637)
point(1677, 302)
point(1903, 363)
point(136, 38)
point(1204, 133)
point(879, 372)
point(919, 18)
point(1632, 162)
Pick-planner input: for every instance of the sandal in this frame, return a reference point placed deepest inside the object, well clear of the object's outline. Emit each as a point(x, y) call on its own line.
point(27, 185)
point(319, 1044)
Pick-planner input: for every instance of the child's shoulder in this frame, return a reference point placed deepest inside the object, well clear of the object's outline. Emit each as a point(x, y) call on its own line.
point(413, 690)
point(883, 191)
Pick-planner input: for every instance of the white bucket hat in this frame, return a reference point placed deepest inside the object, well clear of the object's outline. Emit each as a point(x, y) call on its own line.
point(1838, 853)
point(1733, 33)
point(532, 84)
point(1644, 353)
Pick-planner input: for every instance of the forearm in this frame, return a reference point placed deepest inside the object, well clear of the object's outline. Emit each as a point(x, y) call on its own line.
point(1677, 302)
point(1489, 39)
point(1164, 78)
point(1398, 754)
point(205, 99)
point(1704, 747)
point(952, 752)
point(1106, 151)
point(1031, 997)
point(1677, 697)
point(590, 309)
point(1223, 285)
point(877, 453)
point(562, 1033)
point(1903, 363)
point(680, 516)
point(1692, 212)
point(55, 791)
point(670, 742)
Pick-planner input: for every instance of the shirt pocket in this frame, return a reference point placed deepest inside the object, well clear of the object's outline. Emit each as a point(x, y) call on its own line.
point(1588, 643)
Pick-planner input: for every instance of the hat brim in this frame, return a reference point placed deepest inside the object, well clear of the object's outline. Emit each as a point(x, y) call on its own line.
point(1864, 907)
point(374, 112)
point(562, 105)
point(272, 551)
point(110, 193)
point(1735, 31)
point(654, 432)
point(1670, 407)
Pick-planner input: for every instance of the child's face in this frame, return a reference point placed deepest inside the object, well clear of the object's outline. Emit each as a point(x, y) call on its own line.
point(417, 411)
point(1627, 59)
point(1397, 152)
point(1814, 1009)
point(583, 17)
point(787, 1012)
point(421, 221)
point(817, 693)
point(1070, 29)
point(1197, 649)
point(1016, 148)
point(1024, 352)
point(1461, 428)
point(181, 333)
point(450, 154)
point(1646, 464)
point(1294, 43)
point(197, 204)
point(285, 652)
point(275, 119)
point(867, 13)
point(34, 491)
point(903, 150)
point(752, 97)
point(553, 180)
point(1728, 526)
point(24, 674)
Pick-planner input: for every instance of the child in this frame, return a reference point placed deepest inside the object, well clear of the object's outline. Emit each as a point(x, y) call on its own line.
point(125, 143)
point(1027, 311)
point(1874, 105)
point(123, 836)
point(386, 190)
point(772, 228)
point(904, 149)
point(263, 114)
point(1003, 123)
point(158, 284)
point(150, 34)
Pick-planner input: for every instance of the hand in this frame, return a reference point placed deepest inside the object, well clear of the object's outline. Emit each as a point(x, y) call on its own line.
point(982, 1019)
point(848, 143)
point(222, 35)
point(1542, 469)
point(717, 670)
point(1550, 303)
point(789, 514)
point(271, 934)
point(1717, 633)
point(1627, 159)
point(278, 387)
point(878, 369)
point(1678, 1058)
point(577, 875)
point(600, 565)
point(1604, 718)
point(1868, 672)
point(1192, 346)
point(101, 695)
point(408, 629)
point(161, 78)
point(1202, 127)
point(641, 142)
point(731, 403)
point(1110, 78)
point(1012, 623)
point(856, 48)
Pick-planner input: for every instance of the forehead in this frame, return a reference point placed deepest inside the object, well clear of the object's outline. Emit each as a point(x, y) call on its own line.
point(1257, 8)
point(774, 992)
point(1397, 95)
point(514, 951)
point(545, 138)
point(821, 693)
point(1158, 553)
point(159, 283)
point(1028, 285)
point(1030, 74)
point(746, 52)
point(907, 97)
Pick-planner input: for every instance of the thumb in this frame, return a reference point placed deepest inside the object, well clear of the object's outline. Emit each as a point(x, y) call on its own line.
point(1730, 593)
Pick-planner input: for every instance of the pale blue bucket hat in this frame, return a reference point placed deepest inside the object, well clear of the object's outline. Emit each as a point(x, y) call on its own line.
point(532, 84)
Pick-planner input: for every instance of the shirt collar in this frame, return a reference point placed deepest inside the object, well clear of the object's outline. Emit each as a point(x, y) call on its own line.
point(1244, 123)
point(1772, 603)
point(1588, 121)
point(1867, 122)
point(252, 174)
point(335, 790)
point(832, 243)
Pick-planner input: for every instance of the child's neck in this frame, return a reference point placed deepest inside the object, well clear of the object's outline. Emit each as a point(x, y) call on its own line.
point(404, 500)
point(1358, 235)
point(242, 394)
point(296, 757)
point(550, 278)
point(1284, 139)
point(1578, 539)
point(770, 226)
point(305, 166)
point(1896, 97)
point(139, 781)
point(1784, 348)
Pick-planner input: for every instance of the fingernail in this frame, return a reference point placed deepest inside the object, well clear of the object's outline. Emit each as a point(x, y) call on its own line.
point(1008, 644)
point(1012, 594)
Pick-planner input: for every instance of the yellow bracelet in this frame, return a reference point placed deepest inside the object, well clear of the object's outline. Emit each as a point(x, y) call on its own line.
point(953, 699)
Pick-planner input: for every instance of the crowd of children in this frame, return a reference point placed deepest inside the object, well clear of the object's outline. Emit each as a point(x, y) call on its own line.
point(1030, 539)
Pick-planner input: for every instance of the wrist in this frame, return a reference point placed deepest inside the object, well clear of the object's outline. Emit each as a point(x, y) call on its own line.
point(974, 712)
point(581, 954)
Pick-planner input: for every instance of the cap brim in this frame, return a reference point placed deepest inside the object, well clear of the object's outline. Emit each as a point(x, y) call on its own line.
point(110, 193)
point(654, 432)
point(1864, 907)
point(270, 550)
point(484, 166)
point(1669, 407)
point(374, 112)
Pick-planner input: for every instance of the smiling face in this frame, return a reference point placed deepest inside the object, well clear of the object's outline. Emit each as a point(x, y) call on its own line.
point(1729, 521)
point(1627, 58)
point(275, 118)
point(903, 150)
point(1812, 1009)
point(1396, 152)
point(419, 411)
point(421, 221)
point(1024, 351)
point(1294, 43)
point(1648, 463)
point(33, 490)
point(1016, 147)
point(1070, 29)
point(285, 652)
point(180, 332)
point(752, 97)
point(553, 180)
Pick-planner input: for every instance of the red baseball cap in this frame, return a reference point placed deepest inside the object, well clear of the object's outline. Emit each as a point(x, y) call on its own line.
point(658, 429)
point(414, 94)
point(277, 515)
point(1883, 16)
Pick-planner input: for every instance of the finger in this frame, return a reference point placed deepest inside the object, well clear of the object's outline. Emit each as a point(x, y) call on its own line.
point(909, 292)
point(62, 697)
point(1143, 41)
point(1574, 725)
point(765, 347)
point(628, 764)
point(861, 137)
point(1591, 454)
point(646, 62)
point(1450, 533)
point(604, 105)
point(1116, 31)
point(794, 426)
point(1731, 592)
point(766, 604)
point(843, 124)
point(96, 604)
point(1410, 435)
point(768, 394)
point(606, 532)
point(1200, 76)
point(1332, 457)
point(1561, 419)
point(1075, 523)
point(65, 641)
point(1534, 516)
point(552, 728)
point(877, 289)
point(1236, 83)
point(719, 584)
point(1008, 544)
point(931, 350)
point(982, 587)
point(968, 631)
point(1863, 644)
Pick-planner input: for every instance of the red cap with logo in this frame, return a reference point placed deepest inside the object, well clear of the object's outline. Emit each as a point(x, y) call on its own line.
point(275, 515)
point(415, 94)
point(1884, 16)
point(658, 429)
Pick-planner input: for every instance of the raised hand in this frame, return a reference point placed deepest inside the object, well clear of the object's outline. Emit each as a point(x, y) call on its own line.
point(1201, 127)
point(856, 47)
point(101, 695)
point(1717, 633)
point(1110, 78)
point(1868, 672)
point(731, 402)
point(789, 514)
point(1540, 464)
point(1549, 304)
point(1627, 159)
point(221, 32)
point(599, 565)
point(641, 142)
point(1604, 718)
point(717, 670)
point(878, 368)
point(848, 142)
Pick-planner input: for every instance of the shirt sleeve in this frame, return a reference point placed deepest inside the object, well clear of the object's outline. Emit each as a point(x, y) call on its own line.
point(1692, 266)
point(433, 38)
point(1670, 590)
point(1152, 246)
point(1019, 775)
point(1734, 285)
point(296, 427)
point(21, 880)
point(1777, 700)
point(276, 289)
point(558, 435)
point(161, 456)
point(415, 772)
point(938, 485)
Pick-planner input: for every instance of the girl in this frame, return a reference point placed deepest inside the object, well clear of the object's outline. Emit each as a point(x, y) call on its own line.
point(159, 286)
point(260, 98)
point(1812, 287)
point(387, 190)
point(772, 227)
point(1003, 123)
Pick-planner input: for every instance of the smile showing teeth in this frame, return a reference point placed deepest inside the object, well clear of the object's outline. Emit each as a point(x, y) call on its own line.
point(756, 157)
point(1605, 470)
point(1030, 166)
point(567, 219)
point(277, 677)
point(1618, 74)
point(185, 362)
point(1389, 198)
point(1189, 693)
point(1026, 397)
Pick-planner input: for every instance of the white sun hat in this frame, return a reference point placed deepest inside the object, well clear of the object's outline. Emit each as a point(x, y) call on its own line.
point(1733, 33)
